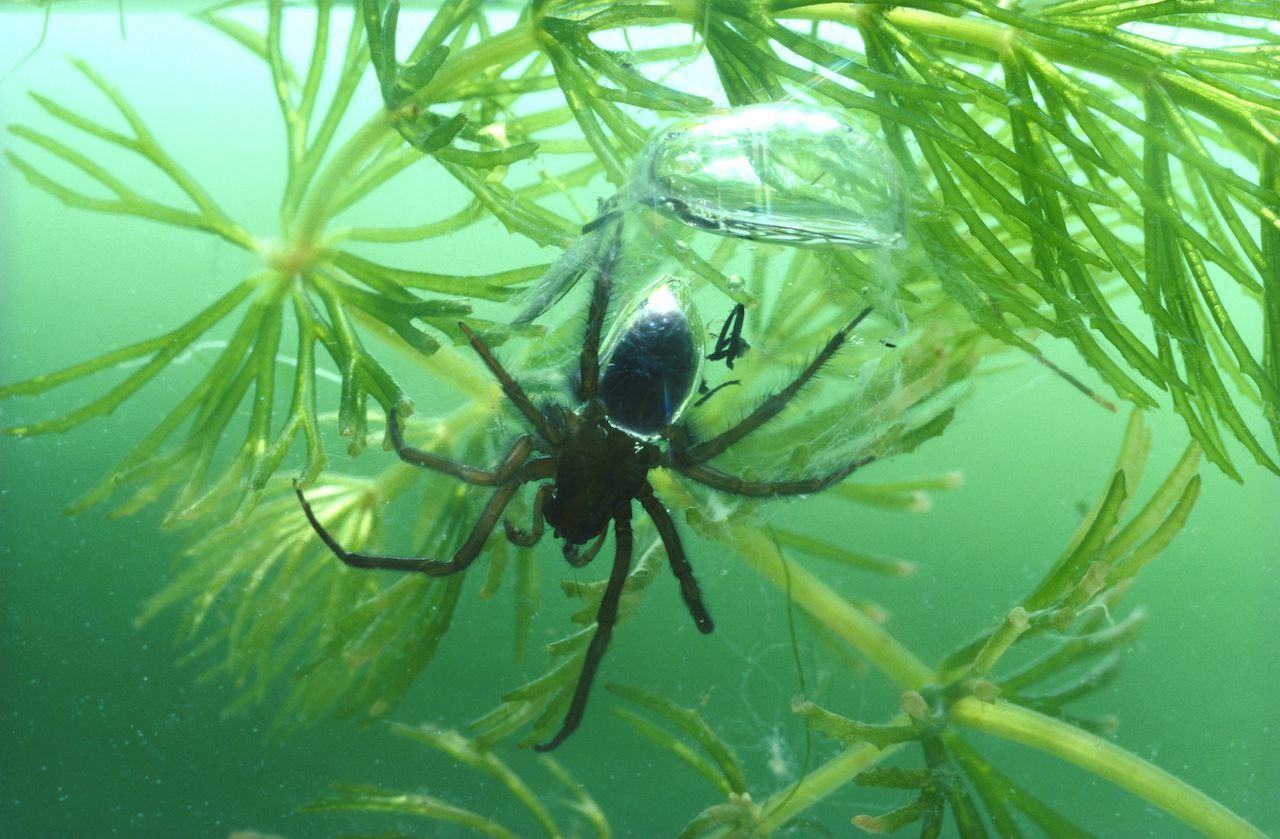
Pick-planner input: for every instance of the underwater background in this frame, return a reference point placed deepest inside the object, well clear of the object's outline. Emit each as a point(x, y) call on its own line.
point(107, 733)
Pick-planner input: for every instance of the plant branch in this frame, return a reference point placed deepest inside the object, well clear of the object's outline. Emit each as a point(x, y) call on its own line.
point(1106, 760)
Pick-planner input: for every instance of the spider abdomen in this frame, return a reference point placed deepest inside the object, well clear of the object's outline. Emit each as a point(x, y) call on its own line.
point(652, 363)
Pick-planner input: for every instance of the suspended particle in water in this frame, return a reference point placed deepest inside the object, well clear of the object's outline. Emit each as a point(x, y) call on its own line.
point(779, 761)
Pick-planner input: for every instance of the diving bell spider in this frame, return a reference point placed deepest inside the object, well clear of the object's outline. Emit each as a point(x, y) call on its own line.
point(595, 460)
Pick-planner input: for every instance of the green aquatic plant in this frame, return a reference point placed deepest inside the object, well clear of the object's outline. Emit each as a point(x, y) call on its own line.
point(1066, 641)
point(46, 15)
point(1074, 173)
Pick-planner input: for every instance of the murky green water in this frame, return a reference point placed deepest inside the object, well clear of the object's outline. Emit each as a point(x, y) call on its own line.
point(106, 733)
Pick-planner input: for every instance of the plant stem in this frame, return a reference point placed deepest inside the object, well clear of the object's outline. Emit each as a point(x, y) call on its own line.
point(983, 34)
point(826, 605)
point(1106, 760)
point(500, 50)
point(788, 803)
point(317, 209)
point(1089, 751)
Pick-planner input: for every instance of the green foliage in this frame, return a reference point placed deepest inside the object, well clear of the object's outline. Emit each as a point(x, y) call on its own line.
point(1068, 643)
point(1073, 607)
point(1074, 173)
point(583, 812)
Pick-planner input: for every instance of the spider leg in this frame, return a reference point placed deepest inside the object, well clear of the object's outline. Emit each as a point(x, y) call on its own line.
point(528, 539)
point(764, 489)
point(606, 617)
point(425, 565)
point(769, 408)
point(537, 469)
point(589, 359)
point(513, 390)
point(577, 560)
point(675, 555)
point(484, 477)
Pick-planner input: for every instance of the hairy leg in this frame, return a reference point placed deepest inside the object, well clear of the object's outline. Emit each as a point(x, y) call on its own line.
point(765, 489)
point(425, 565)
point(606, 617)
point(769, 408)
point(602, 286)
point(514, 457)
point(679, 562)
point(513, 390)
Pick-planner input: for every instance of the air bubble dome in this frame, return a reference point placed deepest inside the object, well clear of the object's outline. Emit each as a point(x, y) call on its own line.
point(785, 173)
point(777, 172)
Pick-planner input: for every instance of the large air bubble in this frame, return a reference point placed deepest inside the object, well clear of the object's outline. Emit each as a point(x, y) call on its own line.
point(785, 174)
point(776, 172)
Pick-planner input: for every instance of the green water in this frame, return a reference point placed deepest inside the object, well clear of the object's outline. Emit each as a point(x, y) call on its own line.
point(105, 733)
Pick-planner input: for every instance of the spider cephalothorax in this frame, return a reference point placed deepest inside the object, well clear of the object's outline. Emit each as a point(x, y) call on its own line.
point(594, 461)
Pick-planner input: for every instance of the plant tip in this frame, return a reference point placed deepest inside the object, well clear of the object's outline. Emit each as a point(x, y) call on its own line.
point(914, 705)
point(919, 502)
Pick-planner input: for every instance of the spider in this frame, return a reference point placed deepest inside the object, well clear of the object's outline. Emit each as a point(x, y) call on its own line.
point(594, 461)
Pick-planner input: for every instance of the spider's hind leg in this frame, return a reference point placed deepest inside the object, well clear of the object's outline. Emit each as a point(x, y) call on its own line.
point(606, 617)
point(679, 562)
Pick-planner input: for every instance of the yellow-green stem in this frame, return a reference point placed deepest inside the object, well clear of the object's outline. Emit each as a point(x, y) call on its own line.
point(317, 208)
point(1106, 760)
point(1058, 738)
point(985, 34)
point(790, 802)
point(500, 50)
point(827, 606)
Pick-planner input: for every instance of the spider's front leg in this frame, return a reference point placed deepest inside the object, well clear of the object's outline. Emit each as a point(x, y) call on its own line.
point(540, 422)
point(461, 558)
point(601, 290)
point(683, 456)
point(606, 617)
point(512, 461)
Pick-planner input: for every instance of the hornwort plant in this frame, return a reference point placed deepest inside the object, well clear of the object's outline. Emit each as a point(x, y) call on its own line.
point(1061, 159)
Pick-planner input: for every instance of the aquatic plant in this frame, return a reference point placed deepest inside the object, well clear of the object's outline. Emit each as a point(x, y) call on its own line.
point(1065, 619)
point(1044, 201)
